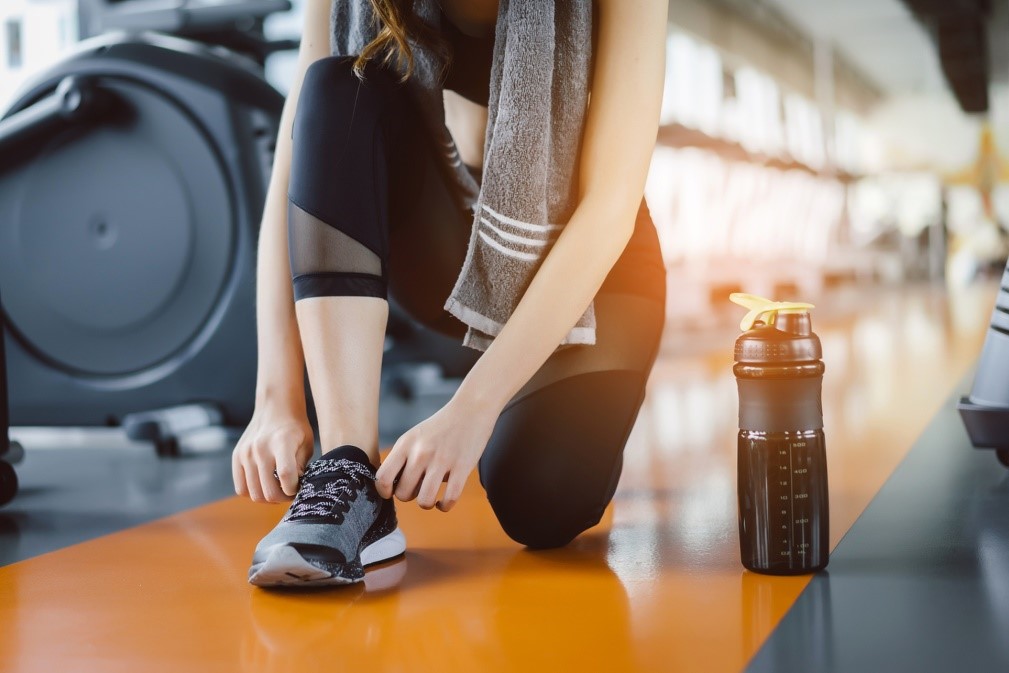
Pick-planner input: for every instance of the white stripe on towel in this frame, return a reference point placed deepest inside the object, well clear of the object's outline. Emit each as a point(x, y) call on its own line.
point(512, 237)
point(529, 226)
point(507, 251)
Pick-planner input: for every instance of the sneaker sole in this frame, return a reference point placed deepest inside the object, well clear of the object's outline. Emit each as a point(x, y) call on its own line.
point(285, 567)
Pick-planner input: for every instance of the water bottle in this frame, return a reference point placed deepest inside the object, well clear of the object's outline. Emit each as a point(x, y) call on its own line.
point(782, 462)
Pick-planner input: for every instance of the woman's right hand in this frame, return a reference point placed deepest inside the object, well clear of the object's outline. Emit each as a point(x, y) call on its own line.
point(277, 438)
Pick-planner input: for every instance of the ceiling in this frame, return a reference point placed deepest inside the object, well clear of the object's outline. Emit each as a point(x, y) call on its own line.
point(919, 120)
point(914, 46)
point(879, 37)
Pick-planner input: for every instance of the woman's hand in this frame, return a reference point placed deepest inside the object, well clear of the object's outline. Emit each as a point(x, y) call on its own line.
point(446, 446)
point(277, 438)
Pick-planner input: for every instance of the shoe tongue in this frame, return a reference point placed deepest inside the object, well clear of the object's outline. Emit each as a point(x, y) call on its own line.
point(350, 452)
point(329, 461)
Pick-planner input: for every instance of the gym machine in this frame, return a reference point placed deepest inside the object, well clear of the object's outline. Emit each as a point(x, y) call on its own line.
point(10, 452)
point(133, 174)
point(985, 411)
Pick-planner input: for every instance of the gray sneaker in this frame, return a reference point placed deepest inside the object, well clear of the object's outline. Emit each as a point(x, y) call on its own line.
point(336, 525)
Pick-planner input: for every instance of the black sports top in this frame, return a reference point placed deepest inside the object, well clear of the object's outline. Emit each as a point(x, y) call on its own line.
point(469, 73)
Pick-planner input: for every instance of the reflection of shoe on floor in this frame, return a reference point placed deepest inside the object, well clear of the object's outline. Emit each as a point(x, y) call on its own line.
point(336, 525)
point(385, 577)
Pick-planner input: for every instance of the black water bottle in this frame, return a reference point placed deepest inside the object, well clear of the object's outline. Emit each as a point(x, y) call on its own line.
point(782, 462)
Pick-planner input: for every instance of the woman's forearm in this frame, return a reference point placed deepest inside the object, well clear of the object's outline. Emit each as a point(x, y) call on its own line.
point(621, 124)
point(280, 375)
point(560, 291)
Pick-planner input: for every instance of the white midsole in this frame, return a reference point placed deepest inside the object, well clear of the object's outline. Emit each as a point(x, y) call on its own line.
point(391, 545)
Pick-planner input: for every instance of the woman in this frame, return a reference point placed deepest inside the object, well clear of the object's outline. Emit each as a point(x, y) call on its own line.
point(362, 204)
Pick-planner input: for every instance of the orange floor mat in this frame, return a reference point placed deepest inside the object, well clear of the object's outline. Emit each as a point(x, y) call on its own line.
point(656, 586)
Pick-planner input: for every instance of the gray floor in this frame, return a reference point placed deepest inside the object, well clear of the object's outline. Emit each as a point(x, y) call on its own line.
point(72, 494)
point(81, 483)
point(921, 581)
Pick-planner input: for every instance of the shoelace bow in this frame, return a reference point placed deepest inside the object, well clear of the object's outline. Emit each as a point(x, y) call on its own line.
point(335, 495)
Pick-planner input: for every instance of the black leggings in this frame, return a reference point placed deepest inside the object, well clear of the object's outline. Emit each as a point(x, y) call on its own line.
point(373, 211)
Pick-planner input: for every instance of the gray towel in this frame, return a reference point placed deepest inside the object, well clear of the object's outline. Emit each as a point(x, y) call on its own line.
point(542, 62)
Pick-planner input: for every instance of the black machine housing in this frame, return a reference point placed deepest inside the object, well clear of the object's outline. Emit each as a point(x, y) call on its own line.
point(985, 411)
point(133, 175)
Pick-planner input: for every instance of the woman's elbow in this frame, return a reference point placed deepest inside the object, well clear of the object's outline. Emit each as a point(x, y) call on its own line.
point(612, 209)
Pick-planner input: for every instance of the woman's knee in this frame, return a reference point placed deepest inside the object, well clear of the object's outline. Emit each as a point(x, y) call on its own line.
point(335, 69)
point(545, 528)
point(553, 461)
point(538, 512)
point(342, 133)
point(332, 98)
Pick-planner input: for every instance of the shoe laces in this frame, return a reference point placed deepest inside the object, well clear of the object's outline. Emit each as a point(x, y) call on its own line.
point(319, 497)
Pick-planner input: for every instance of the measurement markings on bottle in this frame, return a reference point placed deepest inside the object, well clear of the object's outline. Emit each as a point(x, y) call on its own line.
point(790, 491)
point(798, 494)
point(799, 475)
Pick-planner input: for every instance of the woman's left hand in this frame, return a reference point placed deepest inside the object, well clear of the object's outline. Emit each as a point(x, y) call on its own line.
point(446, 446)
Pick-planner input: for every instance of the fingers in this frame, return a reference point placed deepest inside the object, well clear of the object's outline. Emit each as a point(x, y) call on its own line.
point(238, 474)
point(271, 487)
point(288, 472)
point(304, 454)
point(252, 479)
point(453, 491)
point(413, 470)
point(385, 477)
point(409, 481)
point(428, 492)
point(273, 440)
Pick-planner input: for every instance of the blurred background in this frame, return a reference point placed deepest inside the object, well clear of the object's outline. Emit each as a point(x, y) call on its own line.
point(807, 145)
point(804, 144)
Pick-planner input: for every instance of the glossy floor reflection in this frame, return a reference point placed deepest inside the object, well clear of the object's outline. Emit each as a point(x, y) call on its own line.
point(656, 586)
point(919, 582)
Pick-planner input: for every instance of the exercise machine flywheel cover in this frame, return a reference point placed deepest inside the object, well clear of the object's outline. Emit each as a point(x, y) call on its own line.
point(116, 238)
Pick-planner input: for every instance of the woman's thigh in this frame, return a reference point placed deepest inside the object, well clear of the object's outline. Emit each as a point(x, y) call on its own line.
point(554, 458)
point(370, 191)
point(429, 228)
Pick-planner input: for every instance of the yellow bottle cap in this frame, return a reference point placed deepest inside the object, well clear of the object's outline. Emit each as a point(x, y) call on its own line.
point(759, 306)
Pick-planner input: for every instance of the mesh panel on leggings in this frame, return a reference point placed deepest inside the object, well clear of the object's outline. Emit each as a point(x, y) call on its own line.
point(327, 262)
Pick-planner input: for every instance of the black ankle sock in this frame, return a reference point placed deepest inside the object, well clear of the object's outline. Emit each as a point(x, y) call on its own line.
point(348, 452)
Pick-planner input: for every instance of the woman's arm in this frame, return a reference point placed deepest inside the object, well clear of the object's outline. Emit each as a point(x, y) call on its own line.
point(620, 129)
point(280, 375)
point(279, 435)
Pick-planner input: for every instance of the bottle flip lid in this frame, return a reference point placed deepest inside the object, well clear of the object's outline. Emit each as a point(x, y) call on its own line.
point(775, 331)
point(759, 307)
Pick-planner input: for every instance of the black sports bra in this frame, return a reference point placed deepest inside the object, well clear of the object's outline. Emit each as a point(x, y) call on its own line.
point(469, 72)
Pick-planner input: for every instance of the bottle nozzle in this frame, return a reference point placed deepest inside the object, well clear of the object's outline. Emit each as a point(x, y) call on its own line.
point(759, 307)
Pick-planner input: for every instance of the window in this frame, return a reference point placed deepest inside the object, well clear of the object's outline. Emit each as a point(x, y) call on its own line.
point(13, 33)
